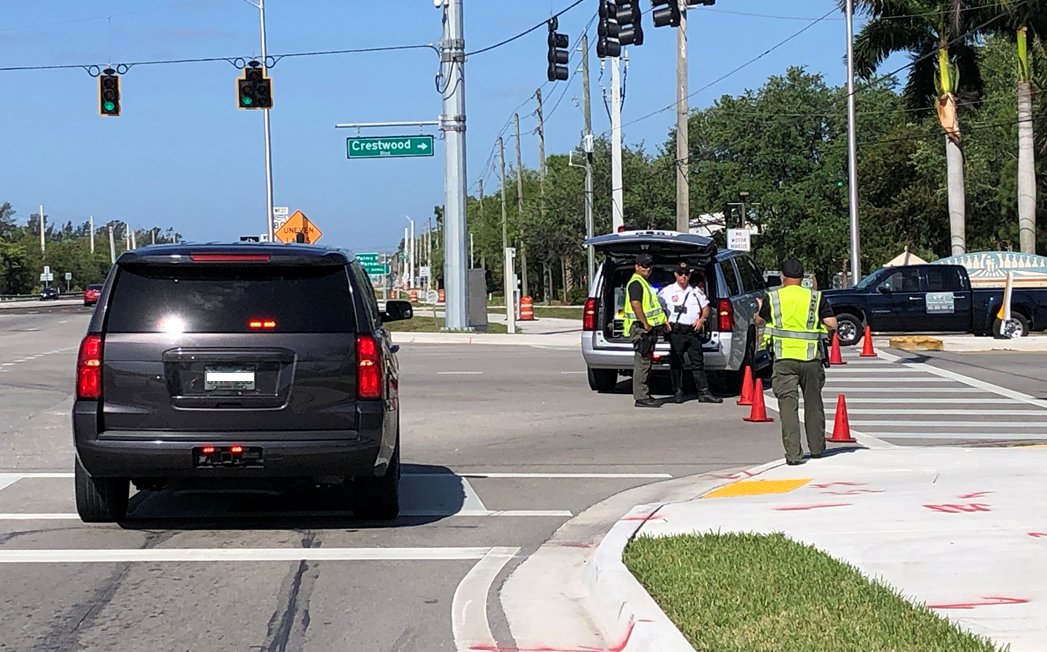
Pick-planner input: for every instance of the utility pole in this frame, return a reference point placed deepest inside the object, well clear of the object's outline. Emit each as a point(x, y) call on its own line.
point(852, 151)
point(152, 235)
point(501, 158)
point(429, 253)
point(520, 204)
point(91, 221)
point(452, 123)
point(617, 215)
point(588, 146)
point(43, 243)
point(483, 260)
point(112, 247)
point(683, 196)
point(541, 182)
point(268, 140)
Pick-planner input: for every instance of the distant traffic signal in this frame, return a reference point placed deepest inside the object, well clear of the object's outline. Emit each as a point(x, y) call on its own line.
point(630, 32)
point(109, 93)
point(665, 13)
point(558, 54)
point(254, 89)
point(608, 45)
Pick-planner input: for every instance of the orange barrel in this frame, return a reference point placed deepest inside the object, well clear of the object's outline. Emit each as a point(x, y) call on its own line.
point(442, 296)
point(526, 309)
point(414, 296)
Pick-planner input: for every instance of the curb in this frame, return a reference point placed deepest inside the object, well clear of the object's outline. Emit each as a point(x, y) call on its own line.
point(573, 341)
point(621, 608)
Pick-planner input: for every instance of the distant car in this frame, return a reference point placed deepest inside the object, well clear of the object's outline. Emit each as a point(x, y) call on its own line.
point(49, 293)
point(235, 364)
point(91, 294)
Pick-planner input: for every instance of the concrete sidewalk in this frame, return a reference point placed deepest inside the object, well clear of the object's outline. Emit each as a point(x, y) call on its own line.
point(963, 531)
point(959, 343)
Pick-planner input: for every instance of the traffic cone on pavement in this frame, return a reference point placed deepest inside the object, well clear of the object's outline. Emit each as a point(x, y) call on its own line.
point(747, 388)
point(841, 427)
point(867, 348)
point(759, 412)
point(834, 352)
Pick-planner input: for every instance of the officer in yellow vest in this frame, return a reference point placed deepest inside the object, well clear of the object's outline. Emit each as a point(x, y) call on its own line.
point(797, 318)
point(645, 320)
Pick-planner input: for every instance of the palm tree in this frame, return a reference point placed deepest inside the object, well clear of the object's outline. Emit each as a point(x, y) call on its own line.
point(1025, 25)
point(940, 38)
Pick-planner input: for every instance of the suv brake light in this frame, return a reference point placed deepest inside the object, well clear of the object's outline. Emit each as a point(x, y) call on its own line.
point(229, 258)
point(368, 368)
point(589, 315)
point(89, 368)
point(724, 315)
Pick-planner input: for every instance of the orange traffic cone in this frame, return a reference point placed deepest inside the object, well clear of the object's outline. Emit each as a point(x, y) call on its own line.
point(867, 348)
point(841, 427)
point(747, 387)
point(759, 412)
point(834, 353)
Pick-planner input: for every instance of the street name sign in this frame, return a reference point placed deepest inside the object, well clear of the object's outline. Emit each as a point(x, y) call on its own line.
point(372, 264)
point(388, 146)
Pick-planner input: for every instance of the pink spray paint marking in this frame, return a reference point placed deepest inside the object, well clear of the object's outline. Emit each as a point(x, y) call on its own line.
point(619, 647)
point(798, 508)
point(956, 509)
point(977, 494)
point(853, 492)
point(1037, 535)
point(987, 601)
point(826, 485)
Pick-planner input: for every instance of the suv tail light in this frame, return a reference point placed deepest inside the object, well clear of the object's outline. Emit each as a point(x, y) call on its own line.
point(89, 368)
point(589, 315)
point(368, 368)
point(724, 315)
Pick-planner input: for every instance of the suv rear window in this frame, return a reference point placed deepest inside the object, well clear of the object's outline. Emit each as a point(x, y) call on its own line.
point(206, 299)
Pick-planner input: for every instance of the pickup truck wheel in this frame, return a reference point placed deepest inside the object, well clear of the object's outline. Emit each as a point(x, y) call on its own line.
point(849, 328)
point(100, 500)
point(1019, 327)
point(378, 498)
point(603, 380)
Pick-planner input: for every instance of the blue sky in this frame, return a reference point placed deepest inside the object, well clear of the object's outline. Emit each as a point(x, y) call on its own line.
point(183, 155)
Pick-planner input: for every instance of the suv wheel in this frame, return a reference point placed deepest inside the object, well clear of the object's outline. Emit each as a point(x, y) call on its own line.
point(849, 328)
point(100, 500)
point(378, 498)
point(603, 380)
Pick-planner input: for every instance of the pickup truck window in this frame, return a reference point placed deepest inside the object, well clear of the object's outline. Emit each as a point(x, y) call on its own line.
point(904, 280)
point(945, 279)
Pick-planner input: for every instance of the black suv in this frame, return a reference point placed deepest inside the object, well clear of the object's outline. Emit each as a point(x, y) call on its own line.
point(237, 363)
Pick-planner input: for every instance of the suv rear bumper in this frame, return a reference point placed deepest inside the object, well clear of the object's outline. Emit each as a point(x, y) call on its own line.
point(599, 353)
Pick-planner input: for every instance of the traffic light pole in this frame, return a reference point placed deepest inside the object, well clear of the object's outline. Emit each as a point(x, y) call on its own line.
point(617, 213)
point(852, 151)
point(683, 195)
point(587, 146)
point(452, 123)
point(270, 229)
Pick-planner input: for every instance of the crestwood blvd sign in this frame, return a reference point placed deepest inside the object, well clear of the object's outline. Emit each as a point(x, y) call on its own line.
point(389, 146)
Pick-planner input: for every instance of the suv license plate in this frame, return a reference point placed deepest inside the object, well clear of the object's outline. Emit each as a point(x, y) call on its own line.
point(218, 378)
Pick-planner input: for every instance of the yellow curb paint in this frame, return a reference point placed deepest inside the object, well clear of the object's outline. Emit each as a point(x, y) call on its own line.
point(1032, 446)
point(757, 488)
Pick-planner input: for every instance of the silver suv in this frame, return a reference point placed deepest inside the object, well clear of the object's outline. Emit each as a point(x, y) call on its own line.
point(733, 282)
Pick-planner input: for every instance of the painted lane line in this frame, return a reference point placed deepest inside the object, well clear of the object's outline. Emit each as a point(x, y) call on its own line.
point(894, 391)
point(469, 622)
point(512, 513)
point(639, 476)
point(830, 380)
point(954, 412)
point(459, 373)
point(39, 517)
point(102, 556)
point(988, 436)
point(573, 372)
point(948, 424)
point(962, 401)
point(865, 438)
point(34, 475)
point(892, 369)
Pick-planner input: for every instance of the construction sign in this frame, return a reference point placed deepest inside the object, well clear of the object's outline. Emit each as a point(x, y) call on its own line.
point(298, 223)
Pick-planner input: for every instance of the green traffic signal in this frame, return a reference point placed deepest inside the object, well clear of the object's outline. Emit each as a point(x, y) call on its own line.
point(109, 106)
point(246, 101)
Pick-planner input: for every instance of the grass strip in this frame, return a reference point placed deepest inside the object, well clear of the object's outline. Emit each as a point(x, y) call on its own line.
point(423, 324)
point(751, 592)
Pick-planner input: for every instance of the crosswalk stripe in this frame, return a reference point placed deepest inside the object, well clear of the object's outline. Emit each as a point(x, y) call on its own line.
point(991, 436)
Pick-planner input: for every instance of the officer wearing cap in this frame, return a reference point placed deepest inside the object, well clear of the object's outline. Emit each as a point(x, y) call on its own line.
point(797, 318)
point(688, 310)
point(644, 319)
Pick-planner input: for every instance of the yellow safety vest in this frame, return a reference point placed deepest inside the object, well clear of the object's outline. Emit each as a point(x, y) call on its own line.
point(652, 308)
point(794, 329)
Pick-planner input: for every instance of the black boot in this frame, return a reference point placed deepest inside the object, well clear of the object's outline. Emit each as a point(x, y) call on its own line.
point(704, 394)
point(677, 377)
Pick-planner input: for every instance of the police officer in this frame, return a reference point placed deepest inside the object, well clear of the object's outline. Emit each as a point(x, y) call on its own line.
point(797, 318)
point(688, 310)
point(644, 320)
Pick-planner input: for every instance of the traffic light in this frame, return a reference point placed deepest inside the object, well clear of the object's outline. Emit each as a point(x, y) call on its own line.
point(558, 54)
point(665, 13)
point(109, 93)
point(254, 89)
point(630, 32)
point(607, 45)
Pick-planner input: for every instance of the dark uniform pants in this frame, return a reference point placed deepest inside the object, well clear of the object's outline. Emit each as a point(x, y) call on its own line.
point(685, 354)
point(790, 378)
point(641, 363)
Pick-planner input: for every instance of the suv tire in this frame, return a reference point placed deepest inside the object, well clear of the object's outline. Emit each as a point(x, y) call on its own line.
point(378, 498)
point(849, 328)
point(602, 380)
point(100, 500)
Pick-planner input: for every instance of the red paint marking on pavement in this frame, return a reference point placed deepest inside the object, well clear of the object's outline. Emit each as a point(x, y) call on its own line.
point(987, 601)
point(574, 544)
point(550, 648)
point(1037, 535)
point(955, 509)
point(826, 485)
point(977, 494)
point(725, 476)
point(643, 517)
point(794, 508)
point(853, 492)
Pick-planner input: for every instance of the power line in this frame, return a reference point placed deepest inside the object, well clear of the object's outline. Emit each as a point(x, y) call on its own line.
point(525, 32)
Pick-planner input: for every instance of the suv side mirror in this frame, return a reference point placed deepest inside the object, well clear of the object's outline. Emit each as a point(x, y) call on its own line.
point(884, 289)
point(397, 311)
point(773, 281)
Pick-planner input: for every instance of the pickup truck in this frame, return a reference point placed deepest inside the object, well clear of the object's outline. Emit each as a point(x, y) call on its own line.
point(932, 298)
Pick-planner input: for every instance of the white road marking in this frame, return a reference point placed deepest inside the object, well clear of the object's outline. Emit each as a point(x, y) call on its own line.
point(829, 380)
point(951, 424)
point(37, 475)
point(894, 391)
point(962, 401)
point(40, 517)
point(524, 513)
point(569, 475)
point(469, 622)
point(573, 372)
point(459, 373)
point(53, 556)
point(1000, 436)
point(859, 369)
point(955, 412)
